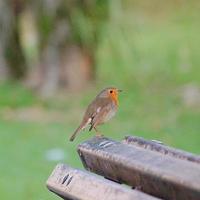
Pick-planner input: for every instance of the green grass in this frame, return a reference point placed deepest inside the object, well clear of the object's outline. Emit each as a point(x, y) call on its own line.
point(14, 95)
point(150, 57)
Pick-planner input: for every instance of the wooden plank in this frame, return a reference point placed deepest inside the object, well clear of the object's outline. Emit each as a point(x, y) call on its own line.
point(157, 174)
point(76, 184)
point(160, 148)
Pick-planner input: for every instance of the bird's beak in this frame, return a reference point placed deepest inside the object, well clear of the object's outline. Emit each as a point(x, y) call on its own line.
point(120, 90)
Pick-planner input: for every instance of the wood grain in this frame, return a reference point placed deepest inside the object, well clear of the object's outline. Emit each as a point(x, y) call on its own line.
point(157, 174)
point(161, 148)
point(76, 184)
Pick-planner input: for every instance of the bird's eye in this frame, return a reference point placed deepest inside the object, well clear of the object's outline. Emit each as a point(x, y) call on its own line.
point(111, 91)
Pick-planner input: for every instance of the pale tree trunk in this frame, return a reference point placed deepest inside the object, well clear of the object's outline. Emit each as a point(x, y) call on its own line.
point(77, 67)
point(29, 39)
point(50, 71)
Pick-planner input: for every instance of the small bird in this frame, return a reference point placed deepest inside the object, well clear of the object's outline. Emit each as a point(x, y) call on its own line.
point(100, 110)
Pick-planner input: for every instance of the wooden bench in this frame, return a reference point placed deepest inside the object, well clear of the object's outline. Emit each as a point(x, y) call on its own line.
point(135, 169)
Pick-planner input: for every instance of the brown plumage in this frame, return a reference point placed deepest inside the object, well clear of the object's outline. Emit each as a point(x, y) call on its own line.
point(100, 110)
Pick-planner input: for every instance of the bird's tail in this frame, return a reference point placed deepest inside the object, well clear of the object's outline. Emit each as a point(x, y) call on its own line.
point(75, 133)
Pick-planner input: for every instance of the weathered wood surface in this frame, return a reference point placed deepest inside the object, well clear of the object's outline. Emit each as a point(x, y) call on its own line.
point(76, 184)
point(153, 146)
point(156, 174)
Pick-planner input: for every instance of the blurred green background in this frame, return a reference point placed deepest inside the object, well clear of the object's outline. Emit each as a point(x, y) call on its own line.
point(55, 56)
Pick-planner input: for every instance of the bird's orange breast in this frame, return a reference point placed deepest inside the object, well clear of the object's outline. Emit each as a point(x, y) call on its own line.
point(114, 97)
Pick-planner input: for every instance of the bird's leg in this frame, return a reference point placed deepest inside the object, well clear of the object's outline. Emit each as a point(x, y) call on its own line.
point(98, 134)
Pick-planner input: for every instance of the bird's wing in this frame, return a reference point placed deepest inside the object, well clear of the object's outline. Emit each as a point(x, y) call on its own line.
point(95, 108)
point(100, 116)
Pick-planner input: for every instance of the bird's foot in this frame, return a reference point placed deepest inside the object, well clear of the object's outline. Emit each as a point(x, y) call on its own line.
point(99, 135)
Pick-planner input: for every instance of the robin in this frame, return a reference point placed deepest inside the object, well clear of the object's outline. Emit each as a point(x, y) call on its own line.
point(100, 110)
